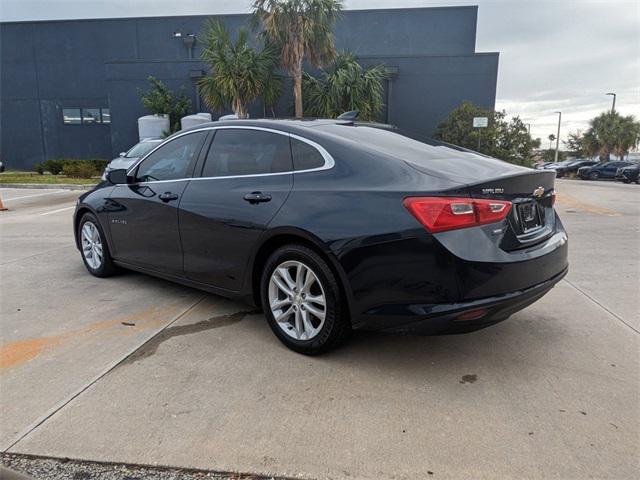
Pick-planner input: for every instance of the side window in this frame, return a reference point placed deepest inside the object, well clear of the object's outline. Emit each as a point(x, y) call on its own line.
point(247, 152)
point(172, 160)
point(305, 156)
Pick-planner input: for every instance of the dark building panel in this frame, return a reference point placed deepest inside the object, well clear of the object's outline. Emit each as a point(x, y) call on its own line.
point(408, 31)
point(48, 66)
point(20, 133)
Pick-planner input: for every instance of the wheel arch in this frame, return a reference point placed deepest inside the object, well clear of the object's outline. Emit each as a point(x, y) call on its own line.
point(285, 236)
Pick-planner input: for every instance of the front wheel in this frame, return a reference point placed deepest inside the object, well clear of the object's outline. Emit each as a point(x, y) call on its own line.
point(594, 175)
point(303, 302)
point(94, 248)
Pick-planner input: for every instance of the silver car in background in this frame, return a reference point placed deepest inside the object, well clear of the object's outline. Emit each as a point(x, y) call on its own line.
point(126, 159)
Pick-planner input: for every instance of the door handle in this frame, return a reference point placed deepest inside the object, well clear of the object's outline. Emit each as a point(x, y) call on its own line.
point(168, 196)
point(257, 197)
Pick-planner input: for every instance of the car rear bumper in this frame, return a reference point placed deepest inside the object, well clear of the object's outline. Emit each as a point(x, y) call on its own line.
point(458, 317)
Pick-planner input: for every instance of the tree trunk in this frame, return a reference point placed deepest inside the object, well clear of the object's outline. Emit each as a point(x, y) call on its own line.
point(297, 88)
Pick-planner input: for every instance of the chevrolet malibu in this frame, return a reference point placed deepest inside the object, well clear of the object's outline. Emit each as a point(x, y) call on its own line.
point(330, 226)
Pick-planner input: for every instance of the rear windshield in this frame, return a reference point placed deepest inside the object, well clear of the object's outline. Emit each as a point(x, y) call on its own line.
point(142, 149)
point(410, 147)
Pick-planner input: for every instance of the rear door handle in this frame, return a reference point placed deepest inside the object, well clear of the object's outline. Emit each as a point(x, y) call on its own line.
point(168, 196)
point(257, 197)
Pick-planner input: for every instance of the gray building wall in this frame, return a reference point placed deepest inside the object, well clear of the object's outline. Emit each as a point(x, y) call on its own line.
point(48, 66)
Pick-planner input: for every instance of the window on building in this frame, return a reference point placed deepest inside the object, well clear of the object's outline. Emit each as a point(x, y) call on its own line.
point(247, 152)
point(71, 116)
point(86, 116)
point(106, 115)
point(90, 115)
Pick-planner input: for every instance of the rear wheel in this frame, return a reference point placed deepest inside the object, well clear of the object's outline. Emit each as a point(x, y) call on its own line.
point(302, 301)
point(94, 248)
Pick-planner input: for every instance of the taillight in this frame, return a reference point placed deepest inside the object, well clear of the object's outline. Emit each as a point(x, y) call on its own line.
point(439, 214)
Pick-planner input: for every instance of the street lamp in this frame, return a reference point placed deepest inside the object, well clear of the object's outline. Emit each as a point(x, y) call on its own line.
point(613, 106)
point(558, 136)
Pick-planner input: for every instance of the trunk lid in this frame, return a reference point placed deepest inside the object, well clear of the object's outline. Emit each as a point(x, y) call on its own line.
point(532, 218)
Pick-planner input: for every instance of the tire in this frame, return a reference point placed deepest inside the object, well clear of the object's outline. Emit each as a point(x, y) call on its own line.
point(594, 176)
point(90, 233)
point(319, 333)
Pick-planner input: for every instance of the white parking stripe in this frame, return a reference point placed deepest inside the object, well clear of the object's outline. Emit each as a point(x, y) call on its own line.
point(58, 210)
point(36, 195)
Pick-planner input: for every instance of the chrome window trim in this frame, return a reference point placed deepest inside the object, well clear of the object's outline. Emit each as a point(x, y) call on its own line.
point(329, 162)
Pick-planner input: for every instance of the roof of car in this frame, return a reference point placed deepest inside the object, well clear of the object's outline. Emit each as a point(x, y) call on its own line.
point(287, 123)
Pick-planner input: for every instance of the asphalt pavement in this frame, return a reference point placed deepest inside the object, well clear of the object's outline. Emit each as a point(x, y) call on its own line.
point(140, 371)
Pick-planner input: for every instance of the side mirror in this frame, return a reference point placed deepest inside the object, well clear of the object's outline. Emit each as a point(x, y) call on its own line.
point(117, 177)
point(122, 154)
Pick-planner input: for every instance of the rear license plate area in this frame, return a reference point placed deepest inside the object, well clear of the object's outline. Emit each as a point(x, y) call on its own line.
point(529, 216)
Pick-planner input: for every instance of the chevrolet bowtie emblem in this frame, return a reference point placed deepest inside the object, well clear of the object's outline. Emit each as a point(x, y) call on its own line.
point(538, 192)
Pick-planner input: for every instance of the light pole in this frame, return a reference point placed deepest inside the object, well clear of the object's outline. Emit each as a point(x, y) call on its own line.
point(613, 106)
point(558, 136)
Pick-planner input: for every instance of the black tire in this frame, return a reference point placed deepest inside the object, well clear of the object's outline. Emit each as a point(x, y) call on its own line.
point(106, 268)
point(336, 328)
point(594, 176)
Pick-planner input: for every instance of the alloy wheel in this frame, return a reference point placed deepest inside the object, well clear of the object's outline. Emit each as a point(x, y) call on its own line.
point(297, 300)
point(92, 245)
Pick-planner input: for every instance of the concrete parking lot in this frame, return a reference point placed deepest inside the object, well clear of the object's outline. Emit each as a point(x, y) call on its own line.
point(137, 370)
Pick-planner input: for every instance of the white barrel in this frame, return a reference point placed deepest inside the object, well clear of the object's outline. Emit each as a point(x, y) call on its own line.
point(153, 126)
point(195, 119)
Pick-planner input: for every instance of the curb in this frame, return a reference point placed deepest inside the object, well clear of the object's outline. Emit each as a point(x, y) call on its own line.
point(52, 186)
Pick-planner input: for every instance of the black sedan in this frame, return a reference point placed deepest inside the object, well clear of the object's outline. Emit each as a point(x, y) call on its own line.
point(572, 167)
point(602, 170)
point(629, 174)
point(330, 226)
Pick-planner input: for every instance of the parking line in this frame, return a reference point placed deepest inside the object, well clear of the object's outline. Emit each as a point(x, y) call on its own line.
point(58, 210)
point(31, 196)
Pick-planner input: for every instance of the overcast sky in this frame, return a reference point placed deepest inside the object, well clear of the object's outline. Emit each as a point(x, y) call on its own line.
point(554, 54)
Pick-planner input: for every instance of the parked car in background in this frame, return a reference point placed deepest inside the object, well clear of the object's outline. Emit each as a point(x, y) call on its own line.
point(556, 166)
point(541, 166)
point(330, 225)
point(573, 166)
point(126, 159)
point(628, 174)
point(602, 170)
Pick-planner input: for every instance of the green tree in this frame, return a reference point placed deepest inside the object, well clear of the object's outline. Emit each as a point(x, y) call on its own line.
point(575, 143)
point(550, 155)
point(504, 139)
point(610, 133)
point(346, 86)
point(552, 138)
point(301, 29)
point(239, 73)
point(160, 100)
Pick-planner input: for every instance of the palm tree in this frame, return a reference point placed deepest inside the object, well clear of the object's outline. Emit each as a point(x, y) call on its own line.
point(301, 29)
point(347, 86)
point(552, 139)
point(239, 73)
point(609, 133)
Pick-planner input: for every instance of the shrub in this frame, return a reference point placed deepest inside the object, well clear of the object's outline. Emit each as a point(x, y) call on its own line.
point(39, 168)
point(53, 166)
point(79, 169)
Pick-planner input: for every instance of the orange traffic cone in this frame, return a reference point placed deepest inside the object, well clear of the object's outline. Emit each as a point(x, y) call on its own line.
point(2, 207)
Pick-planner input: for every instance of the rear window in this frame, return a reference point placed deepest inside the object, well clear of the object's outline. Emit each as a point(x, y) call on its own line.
point(400, 144)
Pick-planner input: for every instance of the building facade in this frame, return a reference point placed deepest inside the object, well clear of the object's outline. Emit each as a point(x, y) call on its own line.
point(71, 88)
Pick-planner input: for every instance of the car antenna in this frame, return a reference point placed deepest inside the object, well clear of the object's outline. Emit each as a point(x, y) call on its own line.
point(351, 115)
